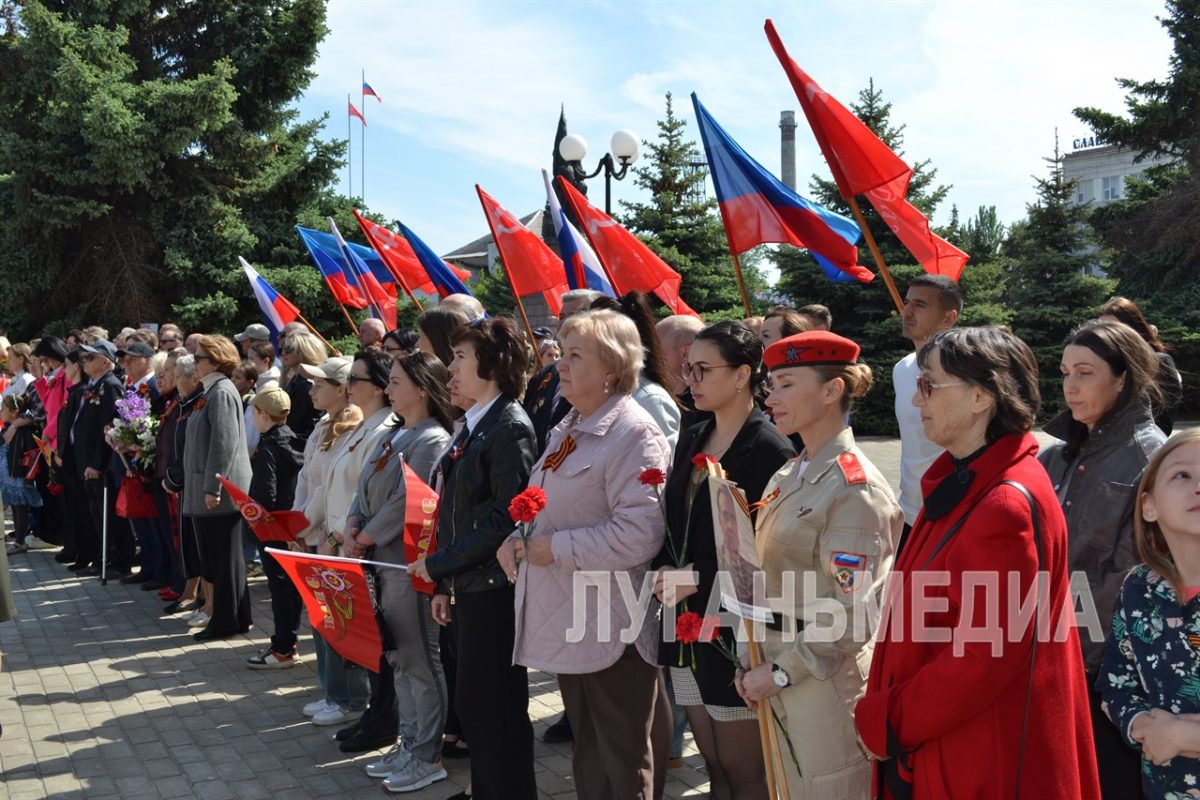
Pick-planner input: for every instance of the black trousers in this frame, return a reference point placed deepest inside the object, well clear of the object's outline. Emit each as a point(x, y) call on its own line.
point(81, 540)
point(120, 537)
point(492, 697)
point(286, 605)
point(1120, 766)
point(224, 565)
point(381, 717)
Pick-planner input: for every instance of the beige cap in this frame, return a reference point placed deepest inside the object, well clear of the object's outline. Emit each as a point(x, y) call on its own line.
point(336, 369)
point(274, 401)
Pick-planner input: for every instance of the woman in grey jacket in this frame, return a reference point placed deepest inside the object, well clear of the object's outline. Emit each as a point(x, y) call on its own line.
point(216, 445)
point(375, 529)
point(1109, 379)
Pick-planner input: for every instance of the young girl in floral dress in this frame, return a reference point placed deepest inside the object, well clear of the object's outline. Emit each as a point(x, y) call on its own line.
point(1150, 678)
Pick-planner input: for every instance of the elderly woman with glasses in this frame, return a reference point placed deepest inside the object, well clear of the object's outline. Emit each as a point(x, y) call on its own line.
point(599, 531)
point(968, 695)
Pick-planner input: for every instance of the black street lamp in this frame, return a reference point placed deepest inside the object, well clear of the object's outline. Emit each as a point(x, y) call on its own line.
point(624, 147)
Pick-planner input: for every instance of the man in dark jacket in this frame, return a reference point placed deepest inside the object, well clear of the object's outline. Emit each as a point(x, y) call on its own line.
point(276, 465)
point(91, 455)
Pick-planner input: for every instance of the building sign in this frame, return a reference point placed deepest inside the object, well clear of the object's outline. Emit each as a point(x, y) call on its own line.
point(1087, 141)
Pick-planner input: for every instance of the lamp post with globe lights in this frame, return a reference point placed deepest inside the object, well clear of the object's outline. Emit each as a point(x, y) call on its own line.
point(623, 150)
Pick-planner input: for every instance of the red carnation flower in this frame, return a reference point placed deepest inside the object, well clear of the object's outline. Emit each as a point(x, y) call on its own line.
point(527, 505)
point(702, 460)
point(687, 627)
point(54, 489)
point(652, 477)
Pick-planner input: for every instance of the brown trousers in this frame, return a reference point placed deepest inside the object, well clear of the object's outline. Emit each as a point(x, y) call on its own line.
point(621, 720)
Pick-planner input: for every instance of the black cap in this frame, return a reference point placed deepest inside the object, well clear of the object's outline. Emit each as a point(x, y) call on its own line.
point(542, 332)
point(136, 348)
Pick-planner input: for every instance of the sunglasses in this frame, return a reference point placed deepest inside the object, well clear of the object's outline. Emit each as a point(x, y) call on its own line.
point(86, 357)
point(925, 386)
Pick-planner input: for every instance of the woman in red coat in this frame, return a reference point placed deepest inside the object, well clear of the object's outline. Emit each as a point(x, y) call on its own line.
point(967, 697)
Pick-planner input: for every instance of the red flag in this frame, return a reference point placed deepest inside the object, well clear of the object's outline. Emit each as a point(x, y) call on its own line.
point(531, 265)
point(631, 265)
point(354, 112)
point(420, 521)
point(862, 164)
point(268, 526)
point(398, 255)
point(338, 602)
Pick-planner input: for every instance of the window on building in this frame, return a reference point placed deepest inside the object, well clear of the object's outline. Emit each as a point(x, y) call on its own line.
point(1111, 187)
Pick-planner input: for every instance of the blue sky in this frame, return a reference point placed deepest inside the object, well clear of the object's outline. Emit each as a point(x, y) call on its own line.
point(471, 90)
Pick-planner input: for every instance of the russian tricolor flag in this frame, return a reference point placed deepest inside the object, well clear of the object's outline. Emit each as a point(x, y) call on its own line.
point(447, 282)
point(758, 208)
point(276, 309)
point(583, 267)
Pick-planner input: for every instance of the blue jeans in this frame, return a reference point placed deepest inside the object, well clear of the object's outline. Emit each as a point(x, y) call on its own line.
point(679, 721)
point(344, 682)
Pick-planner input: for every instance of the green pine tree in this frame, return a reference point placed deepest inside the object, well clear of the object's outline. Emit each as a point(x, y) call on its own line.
point(144, 145)
point(1049, 288)
point(681, 223)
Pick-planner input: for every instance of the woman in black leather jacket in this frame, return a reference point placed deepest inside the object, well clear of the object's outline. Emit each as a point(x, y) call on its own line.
point(487, 465)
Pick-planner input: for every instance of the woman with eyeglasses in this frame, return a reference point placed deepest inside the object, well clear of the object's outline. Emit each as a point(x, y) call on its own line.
point(299, 348)
point(968, 696)
point(725, 375)
point(825, 535)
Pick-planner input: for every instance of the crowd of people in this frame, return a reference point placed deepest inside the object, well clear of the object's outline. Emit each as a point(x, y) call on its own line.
point(114, 450)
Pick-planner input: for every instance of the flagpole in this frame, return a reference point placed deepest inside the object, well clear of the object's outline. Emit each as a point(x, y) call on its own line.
point(499, 252)
point(349, 148)
point(317, 333)
point(362, 154)
point(341, 559)
point(346, 314)
point(376, 311)
point(878, 256)
point(737, 270)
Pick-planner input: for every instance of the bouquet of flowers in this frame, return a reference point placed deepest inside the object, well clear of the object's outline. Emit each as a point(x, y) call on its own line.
point(134, 429)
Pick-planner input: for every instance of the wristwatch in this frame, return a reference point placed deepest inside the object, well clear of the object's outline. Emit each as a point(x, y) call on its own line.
point(779, 676)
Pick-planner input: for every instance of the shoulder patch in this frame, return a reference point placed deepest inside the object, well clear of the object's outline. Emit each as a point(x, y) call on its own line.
point(852, 469)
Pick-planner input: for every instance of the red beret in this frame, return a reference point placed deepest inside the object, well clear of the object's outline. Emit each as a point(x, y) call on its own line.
point(811, 349)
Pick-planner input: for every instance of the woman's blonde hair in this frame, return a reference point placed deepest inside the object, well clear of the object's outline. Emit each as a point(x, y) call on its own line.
point(311, 349)
point(221, 352)
point(339, 425)
point(856, 377)
point(617, 338)
point(1151, 543)
point(22, 351)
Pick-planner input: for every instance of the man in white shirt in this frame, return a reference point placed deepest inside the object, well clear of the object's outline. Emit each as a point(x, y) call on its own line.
point(931, 304)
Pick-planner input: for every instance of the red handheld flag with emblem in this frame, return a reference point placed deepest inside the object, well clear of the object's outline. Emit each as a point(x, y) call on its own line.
point(631, 264)
point(338, 602)
point(532, 267)
point(420, 522)
point(862, 164)
point(268, 526)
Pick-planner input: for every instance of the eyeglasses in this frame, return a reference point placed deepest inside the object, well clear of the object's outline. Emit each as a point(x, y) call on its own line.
point(925, 386)
point(696, 372)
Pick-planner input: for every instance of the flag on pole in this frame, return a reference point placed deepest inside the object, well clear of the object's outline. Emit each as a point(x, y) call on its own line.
point(268, 526)
point(446, 281)
point(324, 252)
point(758, 208)
point(382, 302)
point(531, 265)
point(338, 601)
point(631, 264)
point(369, 92)
point(397, 253)
point(862, 164)
point(276, 309)
point(583, 268)
point(354, 112)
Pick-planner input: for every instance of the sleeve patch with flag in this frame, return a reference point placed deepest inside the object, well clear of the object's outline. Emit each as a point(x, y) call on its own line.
point(846, 568)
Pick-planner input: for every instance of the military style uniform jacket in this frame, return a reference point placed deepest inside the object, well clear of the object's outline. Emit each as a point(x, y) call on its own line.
point(833, 523)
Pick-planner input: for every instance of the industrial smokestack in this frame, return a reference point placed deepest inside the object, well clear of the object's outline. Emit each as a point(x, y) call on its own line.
point(787, 147)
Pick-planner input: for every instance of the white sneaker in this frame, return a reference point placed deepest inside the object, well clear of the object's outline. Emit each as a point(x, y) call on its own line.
point(414, 775)
point(34, 543)
point(393, 761)
point(197, 620)
point(335, 715)
point(314, 708)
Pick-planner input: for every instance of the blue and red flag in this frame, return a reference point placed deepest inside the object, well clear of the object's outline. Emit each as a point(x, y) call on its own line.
point(369, 92)
point(758, 208)
point(444, 280)
point(582, 265)
point(276, 309)
point(382, 300)
point(325, 254)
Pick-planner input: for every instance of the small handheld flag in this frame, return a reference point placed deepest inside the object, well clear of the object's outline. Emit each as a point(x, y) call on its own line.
point(268, 526)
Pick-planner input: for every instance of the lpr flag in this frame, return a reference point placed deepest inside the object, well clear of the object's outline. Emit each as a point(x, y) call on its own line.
point(632, 265)
point(380, 295)
point(276, 309)
point(862, 164)
point(444, 279)
point(758, 208)
point(268, 526)
point(338, 602)
point(532, 267)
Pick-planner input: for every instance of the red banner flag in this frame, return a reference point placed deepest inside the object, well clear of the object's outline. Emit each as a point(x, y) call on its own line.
point(862, 164)
point(338, 602)
point(631, 265)
point(268, 526)
point(354, 112)
point(398, 255)
point(532, 267)
point(420, 521)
